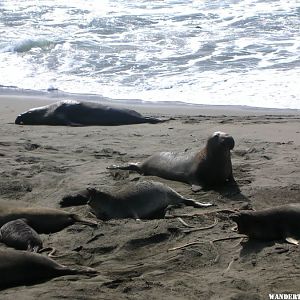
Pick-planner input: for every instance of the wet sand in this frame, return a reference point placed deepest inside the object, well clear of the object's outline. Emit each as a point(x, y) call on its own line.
point(41, 164)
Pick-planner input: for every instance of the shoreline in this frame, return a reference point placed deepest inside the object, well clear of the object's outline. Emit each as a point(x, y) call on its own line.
point(46, 97)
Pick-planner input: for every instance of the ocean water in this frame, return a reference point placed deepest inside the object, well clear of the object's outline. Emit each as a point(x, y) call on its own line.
point(215, 52)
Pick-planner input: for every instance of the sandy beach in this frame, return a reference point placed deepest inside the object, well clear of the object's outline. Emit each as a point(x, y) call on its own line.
point(41, 164)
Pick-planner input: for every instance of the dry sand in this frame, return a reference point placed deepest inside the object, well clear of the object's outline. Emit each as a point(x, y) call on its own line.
point(40, 164)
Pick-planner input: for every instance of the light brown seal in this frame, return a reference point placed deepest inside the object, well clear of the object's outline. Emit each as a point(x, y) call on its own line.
point(276, 223)
point(42, 220)
point(19, 235)
point(207, 168)
point(141, 200)
point(22, 267)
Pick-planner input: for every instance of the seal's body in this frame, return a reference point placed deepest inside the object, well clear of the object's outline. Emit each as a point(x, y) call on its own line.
point(280, 222)
point(19, 235)
point(142, 200)
point(22, 267)
point(41, 219)
point(209, 167)
point(75, 113)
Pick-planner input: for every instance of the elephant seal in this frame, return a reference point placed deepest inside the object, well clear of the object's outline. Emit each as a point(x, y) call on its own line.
point(75, 113)
point(276, 223)
point(141, 200)
point(22, 267)
point(19, 235)
point(208, 168)
point(41, 219)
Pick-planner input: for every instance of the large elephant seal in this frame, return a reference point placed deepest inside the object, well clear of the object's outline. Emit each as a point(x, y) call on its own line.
point(41, 219)
point(141, 200)
point(210, 167)
point(19, 235)
point(75, 113)
point(22, 267)
point(280, 222)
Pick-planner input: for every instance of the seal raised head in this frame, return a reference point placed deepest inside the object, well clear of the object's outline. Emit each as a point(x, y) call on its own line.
point(280, 222)
point(41, 219)
point(209, 167)
point(22, 267)
point(75, 113)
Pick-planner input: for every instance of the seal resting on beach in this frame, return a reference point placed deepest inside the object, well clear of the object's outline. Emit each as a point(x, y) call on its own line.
point(41, 219)
point(22, 267)
point(141, 200)
point(75, 113)
point(209, 167)
point(19, 235)
point(276, 223)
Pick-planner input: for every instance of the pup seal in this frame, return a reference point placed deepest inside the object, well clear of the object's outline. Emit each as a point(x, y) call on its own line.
point(141, 200)
point(19, 235)
point(276, 223)
point(22, 267)
point(75, 113)
point(41, 219)
point(210, 167)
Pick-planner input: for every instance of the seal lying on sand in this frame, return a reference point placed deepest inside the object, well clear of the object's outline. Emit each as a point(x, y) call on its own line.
point(280, 222)
point(19, 235)
point(41, 219)
point(21, 267)
point(75, 113)
point(210, 167)
point(141, 200)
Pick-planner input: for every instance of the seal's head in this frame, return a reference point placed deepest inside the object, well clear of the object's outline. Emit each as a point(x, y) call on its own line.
point(239, 219)
point(33, 116)
point(220, 141)
point(100, 203)
point(248, 224)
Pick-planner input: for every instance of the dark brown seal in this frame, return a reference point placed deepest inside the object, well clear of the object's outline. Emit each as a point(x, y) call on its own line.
point(276, 223)
point(75, 113)
point(141, 200)
point(79, 198)
point(208, 168)
point(19, 235)
point(42, 220)
point(22, 267)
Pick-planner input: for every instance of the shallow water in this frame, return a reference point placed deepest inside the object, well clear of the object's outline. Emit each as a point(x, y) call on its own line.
point(205, 52)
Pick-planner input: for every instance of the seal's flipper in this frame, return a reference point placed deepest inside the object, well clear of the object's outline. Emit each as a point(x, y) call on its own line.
point(192, 202)
point(84, 221)
point(291, 240)
point(155, 120)
point(130, 167)
point(72, 124)
point(64, 270)
point(196, 188)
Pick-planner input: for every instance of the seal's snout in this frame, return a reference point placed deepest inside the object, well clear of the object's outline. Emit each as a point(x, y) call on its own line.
point(224, 139)
point(91, 190)
point(235, 217)
point(18, 120)
point(91, 194)
point(229, 142)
